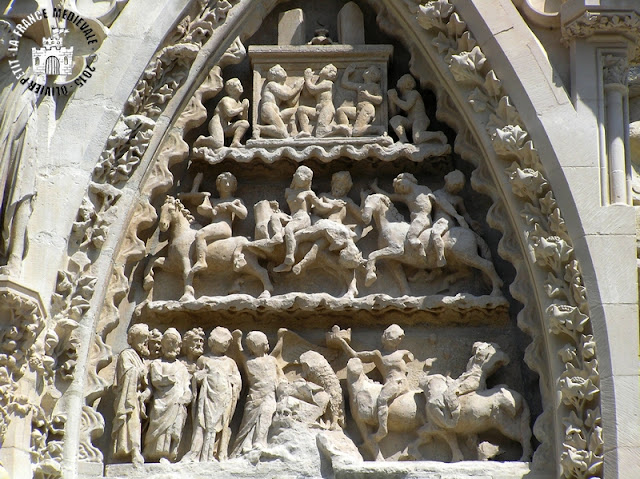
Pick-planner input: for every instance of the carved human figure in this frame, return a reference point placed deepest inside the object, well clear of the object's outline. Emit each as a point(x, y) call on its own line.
point(418, 199)
point(131, 391)
point(464, 406)
point(368, 97)
point(220, 384)
point(392, 365)
point(263, 375)
point(193, 347)
point(276, 95)
point(449, 210)
point(18, 115)
point(155, 338)
point(343, 209)
point(222, 213)
point(409, 101)
point(230, 117)
point(324, 110)
point(170, 381)
point(300, 198)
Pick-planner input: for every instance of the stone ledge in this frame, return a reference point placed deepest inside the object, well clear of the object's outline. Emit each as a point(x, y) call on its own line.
point(323, 308)
point(299, 150)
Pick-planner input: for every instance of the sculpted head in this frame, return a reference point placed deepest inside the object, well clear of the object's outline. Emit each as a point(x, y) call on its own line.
point(193, 343)
point(219, 340)
point(171, 344)
point(371, 74)
point(354, 369)
point(302, 177)
point(155, 337)
point(404, 183)
point(257, 343)
point(277, 73)
point(406, 83)
point(454, 181)
point(329, 72)
point(138, 338)
point(226, 183)
point(233, 87)
point(341, 184)
point(392, 337)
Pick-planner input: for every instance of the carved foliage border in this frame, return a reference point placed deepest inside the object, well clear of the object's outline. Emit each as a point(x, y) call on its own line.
point(123, 153)
point(548, 242)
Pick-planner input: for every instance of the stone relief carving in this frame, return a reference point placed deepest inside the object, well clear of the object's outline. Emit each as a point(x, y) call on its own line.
point(132, 392)
point(122, 155)
point(548, 237)
point(554, 210)
point(321, 231)
point(285, 412)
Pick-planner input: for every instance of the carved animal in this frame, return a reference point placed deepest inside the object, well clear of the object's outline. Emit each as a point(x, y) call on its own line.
point(475, 411)
point(325, 244)
point(318, 370)
point(221, 254)
point(461, 247)
point(406, 412)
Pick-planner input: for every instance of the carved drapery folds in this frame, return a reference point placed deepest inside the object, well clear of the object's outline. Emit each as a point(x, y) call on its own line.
point(292, 398)
point(549, 243)
point(380, 216)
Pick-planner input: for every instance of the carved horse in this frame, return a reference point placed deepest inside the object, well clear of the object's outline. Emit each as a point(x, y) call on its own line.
point(477, 411)
point(461, 246)
point(406, 412)
point(325, 244)
point(222, 254)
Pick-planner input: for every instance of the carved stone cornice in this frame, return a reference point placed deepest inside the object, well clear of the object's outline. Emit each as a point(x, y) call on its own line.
point(603, 22)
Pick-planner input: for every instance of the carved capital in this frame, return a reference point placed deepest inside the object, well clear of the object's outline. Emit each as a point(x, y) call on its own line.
point(587, 23)
point(21, 321)
point(615, 69)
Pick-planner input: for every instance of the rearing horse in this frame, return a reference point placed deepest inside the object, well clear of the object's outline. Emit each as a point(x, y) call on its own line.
point(460, 245)
point(222, 254)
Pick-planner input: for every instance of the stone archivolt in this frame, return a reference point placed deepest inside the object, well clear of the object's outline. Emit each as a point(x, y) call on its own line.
point(305, 401)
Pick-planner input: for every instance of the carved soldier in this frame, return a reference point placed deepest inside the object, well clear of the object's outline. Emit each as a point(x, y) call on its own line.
point(345, 211)
point(368, 97)
point(449, 210)
point(323, 111)
point(170, 380)
point(230, 117)
point(275, 94)
point(222, 213)
point(264, 375)
point(418, 199)
point(300, 198)
point(131, 391)
point(217, 399)
point(393, 367)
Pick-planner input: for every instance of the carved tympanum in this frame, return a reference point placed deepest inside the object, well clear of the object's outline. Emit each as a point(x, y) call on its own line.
point(283, 412)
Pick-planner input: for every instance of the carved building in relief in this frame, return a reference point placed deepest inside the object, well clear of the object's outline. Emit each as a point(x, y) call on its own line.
point(325, 239)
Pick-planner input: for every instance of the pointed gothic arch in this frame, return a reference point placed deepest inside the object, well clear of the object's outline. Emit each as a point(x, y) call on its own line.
point(501, 145)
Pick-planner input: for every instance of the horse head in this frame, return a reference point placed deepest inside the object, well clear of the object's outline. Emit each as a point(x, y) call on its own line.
point(171, 210)
point(166, 213)
point(374, 203)
point(355, 370)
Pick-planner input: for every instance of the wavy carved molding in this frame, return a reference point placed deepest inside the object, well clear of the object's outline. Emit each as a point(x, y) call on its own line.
point(548, 241)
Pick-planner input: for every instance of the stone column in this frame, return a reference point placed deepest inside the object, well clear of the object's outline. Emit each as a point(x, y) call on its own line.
point(616, 97)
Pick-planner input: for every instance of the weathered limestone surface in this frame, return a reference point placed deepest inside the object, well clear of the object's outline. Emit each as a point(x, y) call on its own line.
point(362, 239)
